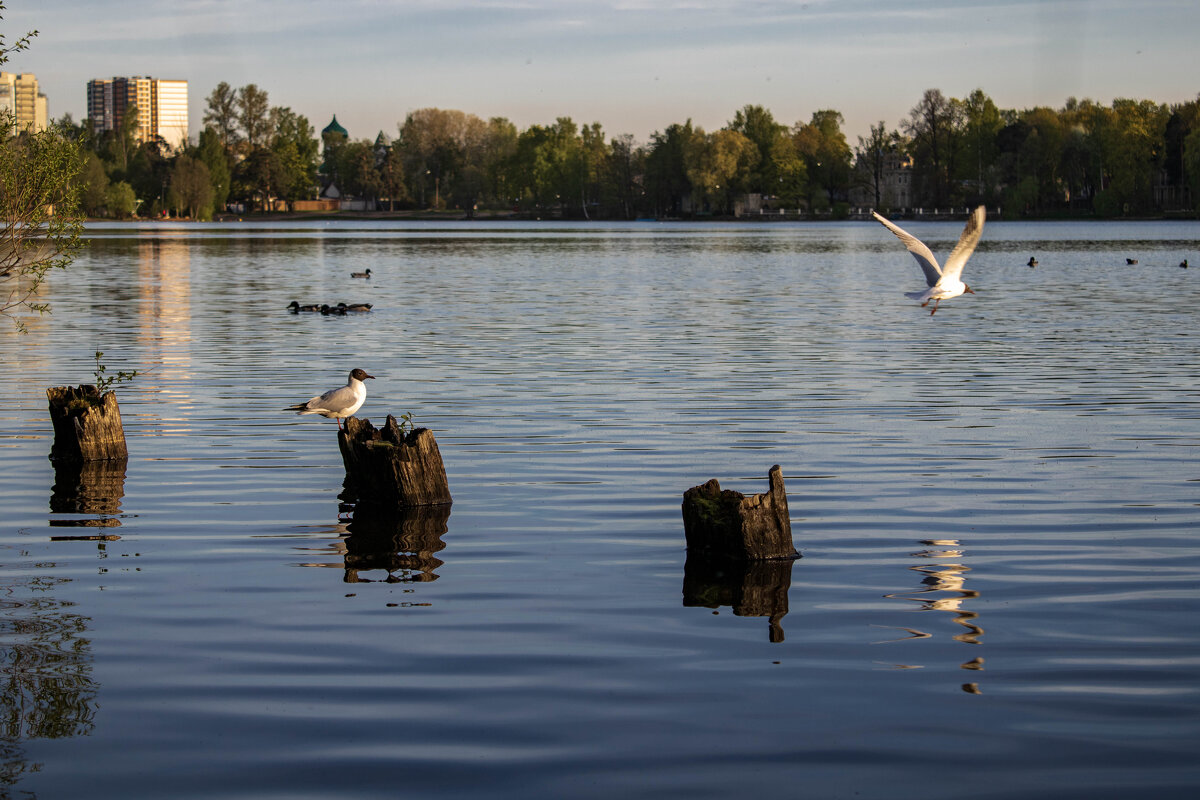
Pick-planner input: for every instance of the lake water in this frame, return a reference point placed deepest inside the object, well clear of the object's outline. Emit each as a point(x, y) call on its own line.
point(998, 509)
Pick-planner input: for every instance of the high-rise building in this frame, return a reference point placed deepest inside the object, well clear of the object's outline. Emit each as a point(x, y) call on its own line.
point(161, 107)
point(20, 97)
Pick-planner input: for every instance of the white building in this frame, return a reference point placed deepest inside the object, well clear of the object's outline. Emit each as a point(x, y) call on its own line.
point(20, 97)
point(162, 107)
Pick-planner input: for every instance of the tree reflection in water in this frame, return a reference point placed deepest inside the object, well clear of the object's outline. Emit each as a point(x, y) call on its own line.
point(46, 668)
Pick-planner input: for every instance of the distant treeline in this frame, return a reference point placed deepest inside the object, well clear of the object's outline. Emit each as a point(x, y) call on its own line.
point(1135, 157)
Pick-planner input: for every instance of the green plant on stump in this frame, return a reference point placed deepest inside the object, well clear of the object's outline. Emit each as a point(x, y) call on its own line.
point(105, 382)
point(406, 422)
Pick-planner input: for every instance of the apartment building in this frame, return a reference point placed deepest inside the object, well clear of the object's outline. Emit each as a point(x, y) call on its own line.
point(19, 96)
point(161, 107)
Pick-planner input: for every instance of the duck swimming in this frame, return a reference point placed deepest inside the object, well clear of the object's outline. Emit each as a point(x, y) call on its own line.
point(295, 307)
point(366, 274)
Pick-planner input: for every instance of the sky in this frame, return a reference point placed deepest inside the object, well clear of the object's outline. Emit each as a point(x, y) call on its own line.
point(634, 66)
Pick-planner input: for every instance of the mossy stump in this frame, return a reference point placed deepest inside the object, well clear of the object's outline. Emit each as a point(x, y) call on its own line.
point(87, 424)
point(389, 469)
point(729, 524)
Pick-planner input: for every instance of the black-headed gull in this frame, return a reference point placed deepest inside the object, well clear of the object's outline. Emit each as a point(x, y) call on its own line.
point(337, 403)
point(943, 283)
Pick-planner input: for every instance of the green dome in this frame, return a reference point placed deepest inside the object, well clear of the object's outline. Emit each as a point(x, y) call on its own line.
point(334, 127)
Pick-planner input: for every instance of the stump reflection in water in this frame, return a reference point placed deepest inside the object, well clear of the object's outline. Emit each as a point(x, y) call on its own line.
point(752, 588)
point(89, 487)
point(402, 545)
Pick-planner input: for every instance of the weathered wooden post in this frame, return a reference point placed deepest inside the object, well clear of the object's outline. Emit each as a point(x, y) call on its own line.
point(728, 524)
point(390, 470)
point(87, 424)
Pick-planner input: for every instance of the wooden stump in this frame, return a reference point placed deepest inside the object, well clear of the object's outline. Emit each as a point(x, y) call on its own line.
point(87, 425)
point(389, 470)
point(751, 588)
point(728, 524)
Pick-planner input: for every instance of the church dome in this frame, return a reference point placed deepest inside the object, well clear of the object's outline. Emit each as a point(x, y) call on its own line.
point(334, 127)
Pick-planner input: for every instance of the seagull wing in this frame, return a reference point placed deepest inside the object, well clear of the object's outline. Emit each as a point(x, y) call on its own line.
point(334, 400)
point(966, 244)
point(920, 252)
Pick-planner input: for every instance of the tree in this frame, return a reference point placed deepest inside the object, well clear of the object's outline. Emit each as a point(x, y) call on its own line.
point(295, 147)
point(982, 123)
point(930, 128)
point(1191, 165)
point(667, 181)
point(211, 152)
point(120, 200)
point(871, 157)
point(826, 155)
point(191, 187)
point(253, 111)
point(719, 167)
point(759, 126)
point(92, 182)
point(39, 200)
point(222, 116)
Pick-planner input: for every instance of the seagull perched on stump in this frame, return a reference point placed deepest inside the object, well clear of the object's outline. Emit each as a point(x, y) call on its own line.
point(943, 283)
point(337, 403)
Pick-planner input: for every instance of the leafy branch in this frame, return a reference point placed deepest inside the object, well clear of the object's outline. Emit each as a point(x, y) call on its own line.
point(104, 383)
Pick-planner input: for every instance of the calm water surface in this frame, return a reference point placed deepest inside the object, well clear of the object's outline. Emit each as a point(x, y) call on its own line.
point(997, 507)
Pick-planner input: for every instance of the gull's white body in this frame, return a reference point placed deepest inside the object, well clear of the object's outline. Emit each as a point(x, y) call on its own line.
point(944, 282)
point(337, 403)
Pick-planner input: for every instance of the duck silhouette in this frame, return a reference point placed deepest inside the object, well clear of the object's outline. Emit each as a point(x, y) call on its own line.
point(295, 307)
point(1032, 262)
point(366, 274)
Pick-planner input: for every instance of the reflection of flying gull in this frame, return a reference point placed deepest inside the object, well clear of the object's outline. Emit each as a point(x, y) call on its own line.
point(337, 403)
point(943, 283)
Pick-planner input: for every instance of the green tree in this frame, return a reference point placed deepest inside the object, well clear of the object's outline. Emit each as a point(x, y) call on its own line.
point(668, 186)
point(822, 145)
point(930, 128)
point(720, 165)
point(93, 185)
point(758, 125)
point(212, 153)
point(221, 115)
point(982, 123)
point(120, 200)
point(39, 201)
point(1191, 165)
point(294, 144)
point(191, 188)
point(253, 116)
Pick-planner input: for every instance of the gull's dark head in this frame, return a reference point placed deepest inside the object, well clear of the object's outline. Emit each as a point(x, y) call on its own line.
point(360, 375)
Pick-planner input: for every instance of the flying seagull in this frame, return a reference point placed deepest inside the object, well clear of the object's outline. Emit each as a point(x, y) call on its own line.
point(337, 403)
point(947, 283)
